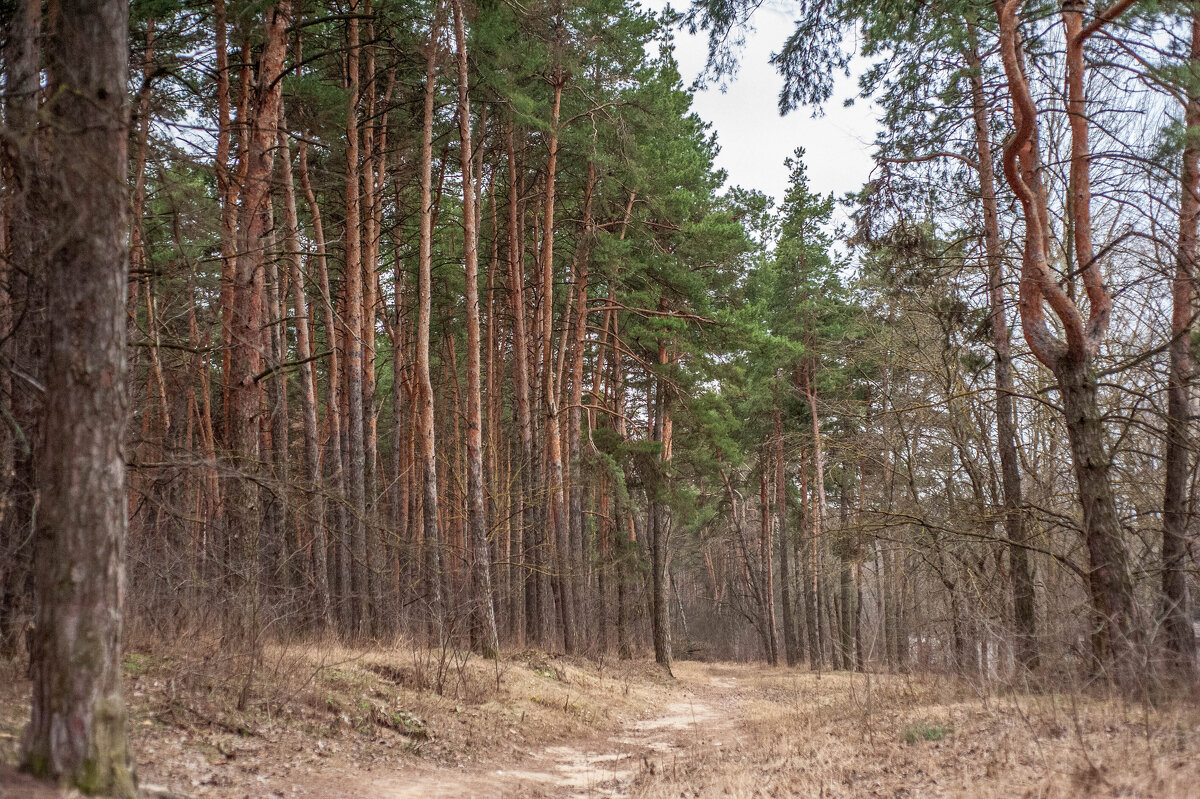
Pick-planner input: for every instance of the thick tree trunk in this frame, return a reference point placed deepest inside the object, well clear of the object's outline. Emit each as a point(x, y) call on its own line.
point(1116, 637)
point(76, 734)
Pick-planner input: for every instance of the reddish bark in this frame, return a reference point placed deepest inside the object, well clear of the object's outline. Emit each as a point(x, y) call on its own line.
point(483, 616)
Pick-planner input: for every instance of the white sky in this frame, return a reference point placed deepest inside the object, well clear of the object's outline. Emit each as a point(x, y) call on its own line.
point(753, 137)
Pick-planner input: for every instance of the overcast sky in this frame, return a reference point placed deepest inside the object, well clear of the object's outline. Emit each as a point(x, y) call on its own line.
point(754, 138)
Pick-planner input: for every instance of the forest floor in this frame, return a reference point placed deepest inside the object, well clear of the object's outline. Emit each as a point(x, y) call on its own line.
point(333, 722)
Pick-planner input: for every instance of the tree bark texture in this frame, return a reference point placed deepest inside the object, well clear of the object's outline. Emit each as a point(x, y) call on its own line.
point(76, 734)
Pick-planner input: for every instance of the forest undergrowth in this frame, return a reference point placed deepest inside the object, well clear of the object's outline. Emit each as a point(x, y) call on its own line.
point(875, 735)
point(313, 715)
point(321, 719)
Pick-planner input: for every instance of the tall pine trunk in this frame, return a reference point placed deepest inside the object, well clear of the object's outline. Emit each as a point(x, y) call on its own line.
point(768, 568)
point(818, 518)
point(335, 512)
point(785, 570)
point(483, 615)
point(555, 495)
point(660, 619)
point(243, 508)
point(808, 572)
point(427, 436)
point(575, 411)
point(352, 278)
point(530, 537)
point(76, 734)
point(314, 521)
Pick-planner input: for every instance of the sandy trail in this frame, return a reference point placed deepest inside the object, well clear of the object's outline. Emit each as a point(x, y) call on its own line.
point(604, 766)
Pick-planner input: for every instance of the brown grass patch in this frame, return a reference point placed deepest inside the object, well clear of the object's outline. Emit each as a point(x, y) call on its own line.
point(306, 718)
point(838, 735)
point(319, 719)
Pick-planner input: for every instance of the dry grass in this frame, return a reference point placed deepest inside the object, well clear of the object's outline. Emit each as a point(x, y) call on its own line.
point(314, 716)
point(325, 720)
point(839, 735)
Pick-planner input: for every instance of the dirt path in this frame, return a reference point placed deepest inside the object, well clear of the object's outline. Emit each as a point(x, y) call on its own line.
point(604, 766)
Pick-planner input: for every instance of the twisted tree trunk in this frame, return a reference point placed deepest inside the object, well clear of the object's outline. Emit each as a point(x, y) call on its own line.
point(1117, 634)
